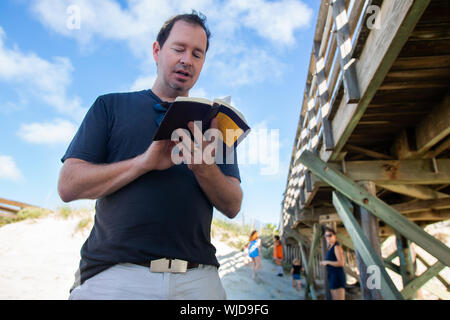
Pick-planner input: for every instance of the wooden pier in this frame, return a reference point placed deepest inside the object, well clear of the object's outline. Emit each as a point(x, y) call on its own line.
point(371, 156)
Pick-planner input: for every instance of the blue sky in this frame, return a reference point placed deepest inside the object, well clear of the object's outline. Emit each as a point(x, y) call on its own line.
point(51, 71)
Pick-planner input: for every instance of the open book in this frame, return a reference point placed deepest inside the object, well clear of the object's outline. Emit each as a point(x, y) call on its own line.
point(185, 109)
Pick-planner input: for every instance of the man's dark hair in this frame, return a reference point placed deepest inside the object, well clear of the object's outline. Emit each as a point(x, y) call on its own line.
point(193, 18)
point(277, 237)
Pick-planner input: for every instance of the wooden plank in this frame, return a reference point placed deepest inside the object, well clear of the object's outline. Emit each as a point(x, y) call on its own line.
point(8, 209)
point(394, 172)
point(421, 205)
point(379, 208)
point(317, 233)
point(344, 41)
point(442, 280)
point(411, 288)
point(435, 215)
point(15, 203)
point(435, 127)
point(403, 252)
point(419, 192)
point(363, 246)
point(381, 49)
point(368, 152)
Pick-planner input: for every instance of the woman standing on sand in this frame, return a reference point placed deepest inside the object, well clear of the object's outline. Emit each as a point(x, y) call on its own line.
point(254, 251)
point(335, 261)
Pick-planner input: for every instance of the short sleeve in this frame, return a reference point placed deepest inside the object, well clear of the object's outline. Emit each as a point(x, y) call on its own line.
point(230, 169)
point(90, 141)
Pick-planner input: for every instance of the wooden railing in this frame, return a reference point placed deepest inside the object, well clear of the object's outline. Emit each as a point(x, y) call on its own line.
point(8, 207)
point(341, 31)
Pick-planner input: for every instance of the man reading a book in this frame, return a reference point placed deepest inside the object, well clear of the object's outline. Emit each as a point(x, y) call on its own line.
point(151, 235)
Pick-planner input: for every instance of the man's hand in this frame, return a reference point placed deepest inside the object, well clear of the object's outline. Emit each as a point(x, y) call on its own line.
point(157, 156)
point(199, 160)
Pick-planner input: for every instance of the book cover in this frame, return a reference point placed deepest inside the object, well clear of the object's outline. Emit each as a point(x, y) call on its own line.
point(185, 109)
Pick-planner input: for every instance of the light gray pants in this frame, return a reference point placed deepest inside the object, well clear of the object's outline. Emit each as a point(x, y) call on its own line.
point(128, 281)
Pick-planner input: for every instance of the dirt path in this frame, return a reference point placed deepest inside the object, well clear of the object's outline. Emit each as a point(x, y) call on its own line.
point(38, 259)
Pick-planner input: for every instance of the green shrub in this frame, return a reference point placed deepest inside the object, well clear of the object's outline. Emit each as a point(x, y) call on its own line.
point(84, 223)
point(65, 212)
point(32, 213)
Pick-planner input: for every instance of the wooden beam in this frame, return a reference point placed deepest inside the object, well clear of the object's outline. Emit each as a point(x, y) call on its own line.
point(363, 246)
point(403, 250)
point(368, 152)
point(411, 288)
point(415, 191)
point(15, 203)
point(8, 209)
point(381, 50)
point(442, 280)
point(379, 208)
point(317, 233)
point(421, 205)
point(344, 42)
point(433, 215)
point(392, 266)
point(400, 172)
point(439, 149)
point(435, 127)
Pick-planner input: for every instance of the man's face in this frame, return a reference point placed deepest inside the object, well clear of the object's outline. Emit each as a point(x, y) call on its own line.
point(181, 58)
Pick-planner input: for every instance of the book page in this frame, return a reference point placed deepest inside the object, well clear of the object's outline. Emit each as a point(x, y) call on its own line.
point(223, 102)
point(194, 99)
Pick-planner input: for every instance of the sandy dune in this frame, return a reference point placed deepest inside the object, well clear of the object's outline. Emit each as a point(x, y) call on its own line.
point(38, 259)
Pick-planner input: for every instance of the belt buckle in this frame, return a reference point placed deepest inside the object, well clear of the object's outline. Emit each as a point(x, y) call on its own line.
point(168, 265)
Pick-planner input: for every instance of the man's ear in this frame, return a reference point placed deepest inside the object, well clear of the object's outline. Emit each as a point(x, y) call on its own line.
point(156, 50)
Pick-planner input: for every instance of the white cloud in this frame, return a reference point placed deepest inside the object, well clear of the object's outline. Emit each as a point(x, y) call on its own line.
point(143, 83)
point(275, 21)
point(8, 169)
point(138, 22)
point(44, 80)
point(58, 131)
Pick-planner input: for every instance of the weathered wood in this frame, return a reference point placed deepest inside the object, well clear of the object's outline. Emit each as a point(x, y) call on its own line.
point(405, 260)
point(392, 266)
point(369, 224)
point(441, 279)
point(367, 152)
point(379, 208)
point(395, 171)
point(421, 205)
point(419, 192)
point(15, 203)
point(323, 246)
point(8, 209)
point(317, 233)
point(381, 50)
point(363, 246)
point(434, 127)
point(412, 287)
point(344, 41)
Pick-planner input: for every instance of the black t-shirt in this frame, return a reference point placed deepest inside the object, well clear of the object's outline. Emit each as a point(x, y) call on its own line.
point(161, 213)
point(297, 269)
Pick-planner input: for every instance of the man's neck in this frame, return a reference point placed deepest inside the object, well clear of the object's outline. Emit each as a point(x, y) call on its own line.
point(166, 95)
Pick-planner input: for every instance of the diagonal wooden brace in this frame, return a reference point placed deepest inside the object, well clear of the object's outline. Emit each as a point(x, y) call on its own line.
point(376, 206)
point(363, 246)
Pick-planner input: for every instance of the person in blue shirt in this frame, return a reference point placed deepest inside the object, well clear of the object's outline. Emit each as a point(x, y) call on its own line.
point(254, 251)
point(152, 229)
